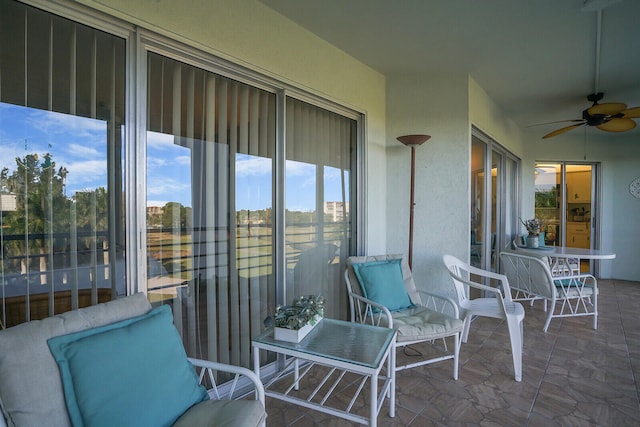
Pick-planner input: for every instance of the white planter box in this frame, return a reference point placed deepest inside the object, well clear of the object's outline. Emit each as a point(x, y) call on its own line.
point(291, 335)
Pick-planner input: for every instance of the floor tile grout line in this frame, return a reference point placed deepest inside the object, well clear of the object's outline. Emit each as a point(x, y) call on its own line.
point(544, 374)
point(626, 343)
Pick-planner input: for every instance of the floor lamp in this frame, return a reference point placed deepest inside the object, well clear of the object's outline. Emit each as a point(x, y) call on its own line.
point(412, 141)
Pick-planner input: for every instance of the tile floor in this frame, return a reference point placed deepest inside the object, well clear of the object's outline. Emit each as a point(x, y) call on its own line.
point(572, 376)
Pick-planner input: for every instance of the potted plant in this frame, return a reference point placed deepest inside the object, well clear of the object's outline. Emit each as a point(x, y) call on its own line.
point(533, 227)
point(293, 322)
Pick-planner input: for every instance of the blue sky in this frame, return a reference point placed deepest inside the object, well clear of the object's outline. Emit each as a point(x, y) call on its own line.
point(76, 143)
point(79, 144)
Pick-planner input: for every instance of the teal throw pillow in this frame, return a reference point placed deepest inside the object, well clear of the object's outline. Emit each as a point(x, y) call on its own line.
point(382, 282)
point(130, 373)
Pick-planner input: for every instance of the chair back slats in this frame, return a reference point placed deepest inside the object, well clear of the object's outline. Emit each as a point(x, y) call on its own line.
point(528, 275)
point(533, 278)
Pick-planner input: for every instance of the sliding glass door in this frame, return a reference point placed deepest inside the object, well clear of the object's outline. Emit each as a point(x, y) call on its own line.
point(565, 201)
point(214, 209)
point(238, 187)
point(62, 118)
point(494, 200)
point(318, 231)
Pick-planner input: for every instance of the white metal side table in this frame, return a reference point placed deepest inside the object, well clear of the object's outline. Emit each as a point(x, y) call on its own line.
point(342, 347)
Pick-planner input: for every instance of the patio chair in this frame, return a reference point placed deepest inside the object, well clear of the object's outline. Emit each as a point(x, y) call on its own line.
point(496, 303)
point(382, 292)
point(533, 279)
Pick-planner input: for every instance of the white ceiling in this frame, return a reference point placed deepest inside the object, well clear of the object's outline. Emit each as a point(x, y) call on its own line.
point(535, 58)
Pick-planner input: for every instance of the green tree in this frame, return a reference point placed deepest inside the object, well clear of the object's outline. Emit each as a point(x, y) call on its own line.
point(42, 208)
point(174, 216)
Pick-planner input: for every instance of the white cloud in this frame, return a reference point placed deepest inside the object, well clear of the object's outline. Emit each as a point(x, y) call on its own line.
point(183, 160)
point(169, 189)
point(253, 166)
point(91, 173)
point(84, 151)
point(160, 141)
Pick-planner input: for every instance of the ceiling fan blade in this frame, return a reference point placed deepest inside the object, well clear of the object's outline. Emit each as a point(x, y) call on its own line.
point(557, 121)
point(608, 108)
point(631, 113)
point(563, 130)
point(617, 125)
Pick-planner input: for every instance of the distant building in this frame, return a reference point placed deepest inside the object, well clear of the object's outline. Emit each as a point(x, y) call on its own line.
point(8, 202)
point(336, 210)
point(155, 210)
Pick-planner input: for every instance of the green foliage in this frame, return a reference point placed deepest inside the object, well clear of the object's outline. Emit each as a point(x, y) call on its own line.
point(546, 199)
point(175, 216)
point(42, 206)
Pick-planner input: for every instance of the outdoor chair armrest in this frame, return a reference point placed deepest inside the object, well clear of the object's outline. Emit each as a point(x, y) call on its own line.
point(439, 302)
point(368, 311)
point(244, 380)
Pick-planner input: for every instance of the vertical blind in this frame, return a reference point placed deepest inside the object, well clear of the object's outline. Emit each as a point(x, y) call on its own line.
point(63, 237)
point(218, 266)
point(224, 286)
point(318, 243)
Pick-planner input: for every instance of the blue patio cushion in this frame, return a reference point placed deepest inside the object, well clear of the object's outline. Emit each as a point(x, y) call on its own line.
point(382, 282)
point(569, 287)
point(133, 372)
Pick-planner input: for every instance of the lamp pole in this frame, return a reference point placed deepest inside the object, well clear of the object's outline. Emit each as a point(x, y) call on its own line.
point(412, 141)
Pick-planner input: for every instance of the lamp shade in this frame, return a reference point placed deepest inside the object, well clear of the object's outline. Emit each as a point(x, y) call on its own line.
point(413, 140)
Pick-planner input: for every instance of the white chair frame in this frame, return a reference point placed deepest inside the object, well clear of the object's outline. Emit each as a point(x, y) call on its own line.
point(532, 279)
point(366, 311)
point(496, 303)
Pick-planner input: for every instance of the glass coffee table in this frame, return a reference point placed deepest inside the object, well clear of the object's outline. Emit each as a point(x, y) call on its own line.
point(340, 347)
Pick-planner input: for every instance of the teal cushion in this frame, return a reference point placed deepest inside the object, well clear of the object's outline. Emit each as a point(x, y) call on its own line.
point(130, 373)
point(382, 282)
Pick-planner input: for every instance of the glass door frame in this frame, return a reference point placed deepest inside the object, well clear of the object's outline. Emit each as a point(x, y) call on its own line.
point(506, 205)
point(595, 185)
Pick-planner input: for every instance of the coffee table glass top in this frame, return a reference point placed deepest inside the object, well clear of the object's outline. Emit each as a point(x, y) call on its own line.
point(348, 342)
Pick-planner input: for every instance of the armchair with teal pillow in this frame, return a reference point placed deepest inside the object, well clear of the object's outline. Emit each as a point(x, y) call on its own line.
point(382, 283)
point(382, 292)
point(117, 363)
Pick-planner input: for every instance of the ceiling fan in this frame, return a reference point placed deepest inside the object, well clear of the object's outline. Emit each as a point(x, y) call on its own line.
point(609, 116)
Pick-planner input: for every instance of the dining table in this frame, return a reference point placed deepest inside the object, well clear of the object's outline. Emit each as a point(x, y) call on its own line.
point(565, 260)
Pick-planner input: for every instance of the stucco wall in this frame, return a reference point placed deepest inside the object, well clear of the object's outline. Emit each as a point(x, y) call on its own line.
point(436, 105)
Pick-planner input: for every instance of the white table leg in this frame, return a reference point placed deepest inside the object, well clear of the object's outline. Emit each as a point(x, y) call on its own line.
point(256, 361)
point(373, 401)
point(391, 370)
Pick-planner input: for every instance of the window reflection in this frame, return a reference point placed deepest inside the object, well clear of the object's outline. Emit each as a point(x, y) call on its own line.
point(58, 248)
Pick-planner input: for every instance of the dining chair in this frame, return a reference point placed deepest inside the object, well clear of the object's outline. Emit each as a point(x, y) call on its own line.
point(382, 292)
point(568, 295)
point(496, 302)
